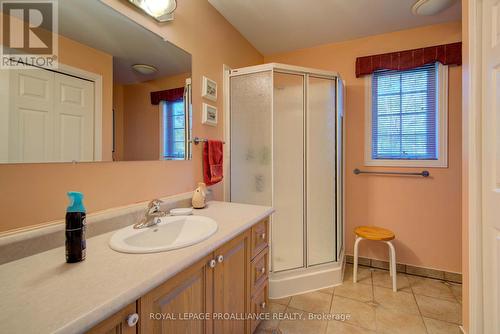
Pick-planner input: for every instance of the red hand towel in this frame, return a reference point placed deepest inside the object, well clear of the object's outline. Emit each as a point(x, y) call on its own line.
point(213, 162)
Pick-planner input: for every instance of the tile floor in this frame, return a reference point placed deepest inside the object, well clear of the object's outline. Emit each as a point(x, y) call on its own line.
point(421, 305)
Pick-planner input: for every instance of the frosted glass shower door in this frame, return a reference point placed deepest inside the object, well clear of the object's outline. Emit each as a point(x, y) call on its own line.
point(321, 171)
point(251, 138)
point(288, 164)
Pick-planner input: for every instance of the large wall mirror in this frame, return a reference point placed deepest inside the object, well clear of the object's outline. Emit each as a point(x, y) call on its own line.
point(119, 93)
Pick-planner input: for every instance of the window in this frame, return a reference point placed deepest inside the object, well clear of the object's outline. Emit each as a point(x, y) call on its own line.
point(407, 117)
point(173, 125)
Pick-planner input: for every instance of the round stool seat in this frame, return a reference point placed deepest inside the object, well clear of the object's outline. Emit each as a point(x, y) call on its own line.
point(374, 233)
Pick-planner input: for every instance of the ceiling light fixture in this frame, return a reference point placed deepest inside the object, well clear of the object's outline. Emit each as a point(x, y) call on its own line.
point(160, 10)
point(144, 69)
point(431, 7)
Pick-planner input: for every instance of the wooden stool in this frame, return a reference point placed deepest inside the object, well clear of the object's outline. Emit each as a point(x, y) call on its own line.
point(377, 234)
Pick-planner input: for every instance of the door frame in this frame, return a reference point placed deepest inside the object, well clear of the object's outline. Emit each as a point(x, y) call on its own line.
point(226, 71)
point(472, 165)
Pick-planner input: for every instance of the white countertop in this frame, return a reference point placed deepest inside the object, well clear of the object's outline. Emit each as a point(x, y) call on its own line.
point(44, 294)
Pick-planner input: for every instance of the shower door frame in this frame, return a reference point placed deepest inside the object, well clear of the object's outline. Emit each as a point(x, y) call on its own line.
point(305, 73)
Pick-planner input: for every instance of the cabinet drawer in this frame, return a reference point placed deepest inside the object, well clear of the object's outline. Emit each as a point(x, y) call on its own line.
point(259, 269)
point(260, 304)
point(260, 237)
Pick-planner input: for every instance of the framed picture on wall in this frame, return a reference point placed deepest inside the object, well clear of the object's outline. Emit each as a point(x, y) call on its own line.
point(209, 90)
point(209, 116)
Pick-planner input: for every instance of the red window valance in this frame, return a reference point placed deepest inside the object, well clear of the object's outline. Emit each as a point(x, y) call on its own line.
point(447, 54)
point(170, 95)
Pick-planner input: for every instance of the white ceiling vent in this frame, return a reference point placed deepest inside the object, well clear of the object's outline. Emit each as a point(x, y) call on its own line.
point(431, 7)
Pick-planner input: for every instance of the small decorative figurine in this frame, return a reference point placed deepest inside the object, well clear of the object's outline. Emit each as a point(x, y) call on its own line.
point(199, 196)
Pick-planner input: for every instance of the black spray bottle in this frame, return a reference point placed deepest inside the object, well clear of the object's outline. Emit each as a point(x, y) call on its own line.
point(75, 228)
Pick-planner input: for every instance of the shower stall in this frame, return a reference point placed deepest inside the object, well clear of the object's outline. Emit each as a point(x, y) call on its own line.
point(286, 151)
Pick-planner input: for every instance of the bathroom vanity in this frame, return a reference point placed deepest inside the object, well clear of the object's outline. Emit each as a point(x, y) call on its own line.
point(231, 281)
point(112, 292)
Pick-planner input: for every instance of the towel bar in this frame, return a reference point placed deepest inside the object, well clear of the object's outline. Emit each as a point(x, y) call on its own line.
point(423, 173)
point(197, 140)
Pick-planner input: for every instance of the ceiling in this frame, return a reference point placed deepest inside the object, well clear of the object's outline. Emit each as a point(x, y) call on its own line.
point(93, 23)
point(274, 26)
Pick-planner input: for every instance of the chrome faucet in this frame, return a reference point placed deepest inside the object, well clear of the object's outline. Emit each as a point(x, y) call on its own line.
point(152, 215)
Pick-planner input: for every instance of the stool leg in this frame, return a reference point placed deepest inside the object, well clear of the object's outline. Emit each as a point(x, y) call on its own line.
point(355, 266)
point(392, 265)
point(391, 268)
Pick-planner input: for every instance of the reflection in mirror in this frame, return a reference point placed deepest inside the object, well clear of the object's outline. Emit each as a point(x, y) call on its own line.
point(119, 93)
point(175, 124)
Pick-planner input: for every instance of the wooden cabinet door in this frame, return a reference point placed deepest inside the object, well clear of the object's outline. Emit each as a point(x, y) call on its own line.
point(117, 323)
point(232, 285)
point(164, 309)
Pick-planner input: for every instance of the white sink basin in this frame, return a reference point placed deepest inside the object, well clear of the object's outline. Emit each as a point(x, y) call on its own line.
point(171, 233)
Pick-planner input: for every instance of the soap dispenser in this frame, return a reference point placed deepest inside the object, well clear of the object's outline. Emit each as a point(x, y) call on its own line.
point(199, 196)
point(75, 228)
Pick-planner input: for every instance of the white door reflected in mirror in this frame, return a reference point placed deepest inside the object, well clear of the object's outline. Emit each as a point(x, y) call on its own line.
point(50, 117)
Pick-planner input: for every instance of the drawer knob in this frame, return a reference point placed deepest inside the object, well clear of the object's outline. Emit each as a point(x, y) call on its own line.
point(263, 236)
point(132, 319)
point(263, 270)
point(212, 263)
point(263, 305)
point(220, 258)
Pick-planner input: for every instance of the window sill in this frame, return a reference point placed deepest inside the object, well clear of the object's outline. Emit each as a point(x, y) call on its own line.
point(408, 163)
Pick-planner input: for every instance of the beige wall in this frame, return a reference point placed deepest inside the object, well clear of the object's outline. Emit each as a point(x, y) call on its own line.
point(425, 214)
point(199, 29)
point(141, 118)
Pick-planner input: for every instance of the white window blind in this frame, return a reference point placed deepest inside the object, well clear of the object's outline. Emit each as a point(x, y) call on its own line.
point(405, 114)
point(173, 130)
